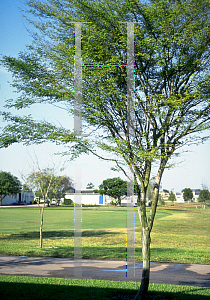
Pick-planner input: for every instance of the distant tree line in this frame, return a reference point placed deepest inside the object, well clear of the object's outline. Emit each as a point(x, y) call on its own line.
point(43, 183)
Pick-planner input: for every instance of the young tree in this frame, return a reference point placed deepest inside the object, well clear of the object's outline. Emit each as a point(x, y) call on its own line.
point(187, 194)
point(171, 105)
point(9, 185)
point(41, 181)
point(114, 187)
point(172, 197)
point(161, 200)
point(204, 195)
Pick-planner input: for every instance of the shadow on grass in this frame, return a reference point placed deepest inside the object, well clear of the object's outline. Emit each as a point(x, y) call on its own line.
point(94, 252)
point(100, 252)
point(14, 291)
point(68, 252)
point(56, 234)
point(190, 294)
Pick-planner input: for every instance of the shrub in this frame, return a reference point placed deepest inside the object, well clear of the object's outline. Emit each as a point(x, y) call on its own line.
point(67, 202)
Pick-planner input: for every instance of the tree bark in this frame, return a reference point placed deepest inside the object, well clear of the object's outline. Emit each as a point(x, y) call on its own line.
point(40, 236)
point(146, 226)
point(41, 213)
point(146, 265)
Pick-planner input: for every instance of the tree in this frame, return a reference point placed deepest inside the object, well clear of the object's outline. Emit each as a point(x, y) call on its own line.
point(187, 194)
point(44, 183)
point(172, 197)
point(9, 185)
point(41, 182)
point(204, 195)
point(90, 185)
point(114, 187)
point(60, 185)
point(161, 200)
point(171, 104)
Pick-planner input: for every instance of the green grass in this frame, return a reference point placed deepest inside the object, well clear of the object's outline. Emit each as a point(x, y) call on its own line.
point(179, 234)
point(23, 287)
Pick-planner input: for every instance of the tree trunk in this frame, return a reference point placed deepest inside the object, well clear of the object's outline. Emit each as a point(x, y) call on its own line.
point(146, 265)
point(41, 236)
point(42, 211)
point(146, 226)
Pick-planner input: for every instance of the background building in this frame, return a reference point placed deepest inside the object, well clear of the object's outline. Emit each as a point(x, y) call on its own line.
point(27, 197)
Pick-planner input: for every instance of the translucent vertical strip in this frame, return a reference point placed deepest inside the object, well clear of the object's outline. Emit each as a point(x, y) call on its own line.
point(130, 229)
point(78, 175)
point(130, 273)
point(78, 81)
point(130, 79)
point(78, 223)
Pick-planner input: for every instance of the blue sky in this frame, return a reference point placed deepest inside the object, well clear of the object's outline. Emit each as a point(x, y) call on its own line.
point(192, 169)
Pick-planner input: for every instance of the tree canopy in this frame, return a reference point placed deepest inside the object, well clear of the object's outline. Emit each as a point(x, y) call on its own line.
point(187, 194)
point(204, 195)
point(165, 191)
point(9, 185)
point(41, 182)
point(90, 185)
point(45, 184)
point(114, 187)
point(172, 197)
point(142, 126)
point(60, 185)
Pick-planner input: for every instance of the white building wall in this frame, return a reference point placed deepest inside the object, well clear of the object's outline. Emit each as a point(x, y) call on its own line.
point(124, 200)
point(179, 197)
point(91, 199)
point(94, 199)
point(26, 196)
point(196, 193)
point(9, 199)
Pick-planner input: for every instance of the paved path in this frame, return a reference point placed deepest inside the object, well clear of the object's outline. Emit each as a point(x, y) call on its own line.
point(168, 273)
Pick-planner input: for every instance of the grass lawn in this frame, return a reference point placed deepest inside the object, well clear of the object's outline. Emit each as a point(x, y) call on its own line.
point(23, 287)
point(180, 233)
